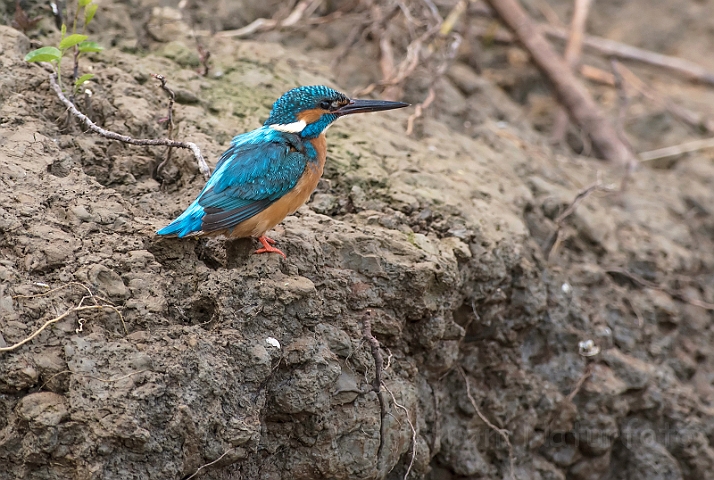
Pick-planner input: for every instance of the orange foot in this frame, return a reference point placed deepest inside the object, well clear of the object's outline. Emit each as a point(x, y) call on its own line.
point(268, 246)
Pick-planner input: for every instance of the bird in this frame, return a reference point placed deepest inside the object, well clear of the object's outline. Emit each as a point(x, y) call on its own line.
point(268, 173)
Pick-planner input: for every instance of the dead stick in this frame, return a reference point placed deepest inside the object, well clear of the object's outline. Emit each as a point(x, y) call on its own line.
point(677, 150)
point(572, 57)
point(687, 69)
point(572, 94)
point(165, 142)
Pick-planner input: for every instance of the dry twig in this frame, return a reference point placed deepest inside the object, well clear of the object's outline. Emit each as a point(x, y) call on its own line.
point(611, 48)
point(553, 242)
point(419, 109)
point(202, 166)
point(572, 94)
point(504, 433)
point(303, 9)
point(676, 150)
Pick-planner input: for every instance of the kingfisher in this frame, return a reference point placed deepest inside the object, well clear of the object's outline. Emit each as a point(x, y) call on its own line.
point(270, 172)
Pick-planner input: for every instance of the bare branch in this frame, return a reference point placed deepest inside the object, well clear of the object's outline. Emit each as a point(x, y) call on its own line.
point(676, 150)
point(202, 166)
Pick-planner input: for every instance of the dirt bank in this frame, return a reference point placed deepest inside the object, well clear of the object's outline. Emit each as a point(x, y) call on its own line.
point(260, 363)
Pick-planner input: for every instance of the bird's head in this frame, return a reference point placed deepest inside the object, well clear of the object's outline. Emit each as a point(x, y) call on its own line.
point(308, 111)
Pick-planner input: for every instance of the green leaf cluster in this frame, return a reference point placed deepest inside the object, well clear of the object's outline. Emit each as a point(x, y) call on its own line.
point(75, 40)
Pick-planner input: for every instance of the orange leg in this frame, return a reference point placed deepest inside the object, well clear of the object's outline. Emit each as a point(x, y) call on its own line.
point(268, 246)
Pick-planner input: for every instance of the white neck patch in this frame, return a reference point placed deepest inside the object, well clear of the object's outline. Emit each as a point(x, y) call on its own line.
point(295, 127)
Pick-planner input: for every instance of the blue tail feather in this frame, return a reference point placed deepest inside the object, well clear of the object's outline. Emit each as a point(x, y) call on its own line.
point(188, 222)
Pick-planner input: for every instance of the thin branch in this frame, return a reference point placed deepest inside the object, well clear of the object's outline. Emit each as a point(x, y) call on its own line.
point(202, 166)
point(419, 109)
point(303, 8)
point(675, 293)
point(504, 433)
point(551, 245)
point(611, 48)
point(676, 150)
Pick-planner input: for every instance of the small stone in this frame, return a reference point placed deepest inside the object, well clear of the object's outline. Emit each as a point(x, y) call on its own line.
point(633, 372)
point(107, 281)
point(44, 408)
point(465, 78)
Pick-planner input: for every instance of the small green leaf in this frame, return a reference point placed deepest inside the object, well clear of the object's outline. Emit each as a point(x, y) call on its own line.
point(88, 46)
point(64, 30)
point(71, 41)
point(44, 54)
point(84, 3)
point(89, 12)
point(84, 78)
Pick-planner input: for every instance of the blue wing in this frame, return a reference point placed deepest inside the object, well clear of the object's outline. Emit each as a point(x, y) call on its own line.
point(259, 167)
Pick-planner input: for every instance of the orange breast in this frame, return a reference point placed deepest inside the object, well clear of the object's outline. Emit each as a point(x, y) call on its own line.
point(288, 203)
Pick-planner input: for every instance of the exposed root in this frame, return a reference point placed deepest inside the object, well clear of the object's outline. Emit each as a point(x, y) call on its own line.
point(198, 470)
point(411, 425)
point(202, 166)
point(80, 307)
point(504, 433)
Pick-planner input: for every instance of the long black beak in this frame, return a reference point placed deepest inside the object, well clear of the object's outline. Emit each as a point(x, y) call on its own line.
point(362, 106)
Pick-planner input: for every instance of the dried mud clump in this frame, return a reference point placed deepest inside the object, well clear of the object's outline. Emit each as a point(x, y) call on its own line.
point(259, 366)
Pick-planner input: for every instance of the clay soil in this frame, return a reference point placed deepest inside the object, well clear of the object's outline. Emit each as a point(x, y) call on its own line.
point(593, 354)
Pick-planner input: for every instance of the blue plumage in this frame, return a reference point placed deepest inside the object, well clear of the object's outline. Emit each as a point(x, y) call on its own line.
point(258, 168)
point(263, 166)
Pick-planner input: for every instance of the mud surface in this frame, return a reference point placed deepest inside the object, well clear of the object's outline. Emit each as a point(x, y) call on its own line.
point(259, 366)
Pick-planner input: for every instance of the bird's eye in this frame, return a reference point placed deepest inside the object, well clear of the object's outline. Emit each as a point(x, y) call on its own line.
point(325, 105)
